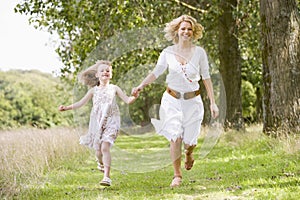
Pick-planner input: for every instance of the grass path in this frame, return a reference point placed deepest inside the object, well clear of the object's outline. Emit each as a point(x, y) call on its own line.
point(241, 166)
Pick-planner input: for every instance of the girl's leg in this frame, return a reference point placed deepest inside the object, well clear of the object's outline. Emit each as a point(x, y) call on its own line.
point(99, 160)
point(175, 151)
point(99, 155)
point(106, 158)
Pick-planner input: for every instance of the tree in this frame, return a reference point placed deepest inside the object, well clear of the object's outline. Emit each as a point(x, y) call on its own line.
point(230, 62)
point(281, 65)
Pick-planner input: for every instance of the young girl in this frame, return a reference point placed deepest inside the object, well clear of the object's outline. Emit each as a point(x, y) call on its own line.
point(105, 117)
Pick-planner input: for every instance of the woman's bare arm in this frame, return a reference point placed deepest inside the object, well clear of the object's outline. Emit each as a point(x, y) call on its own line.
point(210, 92)
point(148, 80)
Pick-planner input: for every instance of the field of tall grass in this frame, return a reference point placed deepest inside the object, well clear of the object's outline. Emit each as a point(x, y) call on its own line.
point(50, 164)
point(27, 154)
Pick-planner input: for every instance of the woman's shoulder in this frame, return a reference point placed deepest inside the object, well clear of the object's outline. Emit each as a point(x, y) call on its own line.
point(168, 49)
point(200, 48)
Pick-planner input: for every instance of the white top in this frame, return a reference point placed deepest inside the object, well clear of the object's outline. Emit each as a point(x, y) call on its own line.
point(183, 77)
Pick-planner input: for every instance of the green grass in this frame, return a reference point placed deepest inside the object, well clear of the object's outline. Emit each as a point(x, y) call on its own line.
point(243, 165)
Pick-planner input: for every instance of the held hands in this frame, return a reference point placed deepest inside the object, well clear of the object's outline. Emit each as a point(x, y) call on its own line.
point(214, 110)
point(136, 91)
point(135, 95)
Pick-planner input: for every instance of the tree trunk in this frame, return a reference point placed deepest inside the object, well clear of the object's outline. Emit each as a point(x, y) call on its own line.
point(230, 64)
point(281, 65)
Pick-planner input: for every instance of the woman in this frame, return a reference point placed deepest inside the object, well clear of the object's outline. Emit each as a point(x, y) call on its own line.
point(182, 110)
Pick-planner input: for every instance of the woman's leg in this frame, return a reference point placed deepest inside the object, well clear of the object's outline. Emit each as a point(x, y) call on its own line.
point(191, 134)
point(189, 158)
point(175, 151)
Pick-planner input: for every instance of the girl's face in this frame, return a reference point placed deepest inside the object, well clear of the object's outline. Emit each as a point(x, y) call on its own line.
point(104, 72)
point(185, 31)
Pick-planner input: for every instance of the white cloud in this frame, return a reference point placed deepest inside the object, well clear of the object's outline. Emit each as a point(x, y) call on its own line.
point(21, 45)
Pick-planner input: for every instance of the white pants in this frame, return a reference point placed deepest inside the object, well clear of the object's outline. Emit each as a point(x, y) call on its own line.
point(180, 118)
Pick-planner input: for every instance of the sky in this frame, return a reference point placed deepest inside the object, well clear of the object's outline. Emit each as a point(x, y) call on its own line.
point(22, 46)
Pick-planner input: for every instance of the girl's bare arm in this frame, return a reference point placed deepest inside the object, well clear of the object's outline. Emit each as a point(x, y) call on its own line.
point(78, 104)
point(124, 97)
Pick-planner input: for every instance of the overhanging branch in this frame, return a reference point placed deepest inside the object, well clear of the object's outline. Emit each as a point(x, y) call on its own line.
point(190, 6)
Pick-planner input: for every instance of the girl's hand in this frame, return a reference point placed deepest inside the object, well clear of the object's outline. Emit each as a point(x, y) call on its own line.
point(214, 110)
point(62, 108)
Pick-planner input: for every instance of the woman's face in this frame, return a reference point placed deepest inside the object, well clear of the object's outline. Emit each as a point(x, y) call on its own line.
point(185, 31)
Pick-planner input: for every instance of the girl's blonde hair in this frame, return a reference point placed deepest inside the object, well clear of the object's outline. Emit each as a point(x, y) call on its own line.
point(88, 76)
point(171, 28)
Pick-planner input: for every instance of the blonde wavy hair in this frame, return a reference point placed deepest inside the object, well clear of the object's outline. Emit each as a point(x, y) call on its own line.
point(88, 76)
point(171, 28)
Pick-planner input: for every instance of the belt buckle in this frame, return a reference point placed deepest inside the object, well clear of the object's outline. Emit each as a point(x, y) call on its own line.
point(188, 95)
point(177, 94)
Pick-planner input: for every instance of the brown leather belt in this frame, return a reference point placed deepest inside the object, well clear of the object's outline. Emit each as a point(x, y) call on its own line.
point(187, 95)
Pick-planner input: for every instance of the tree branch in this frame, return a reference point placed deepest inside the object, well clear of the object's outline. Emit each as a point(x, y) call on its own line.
point(190, 6)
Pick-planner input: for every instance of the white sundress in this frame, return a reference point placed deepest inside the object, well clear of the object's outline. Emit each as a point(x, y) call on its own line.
point(104, 122)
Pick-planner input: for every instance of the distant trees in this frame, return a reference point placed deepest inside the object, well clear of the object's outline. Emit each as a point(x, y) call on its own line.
point(31, 98)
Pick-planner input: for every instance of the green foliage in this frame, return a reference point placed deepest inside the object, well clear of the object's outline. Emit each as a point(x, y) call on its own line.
point(248, 19)
point(81, 25)
point(248, 101)
point(31, 98)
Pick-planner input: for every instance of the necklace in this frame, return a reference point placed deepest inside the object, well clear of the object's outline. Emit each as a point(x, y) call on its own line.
point(183, 68)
